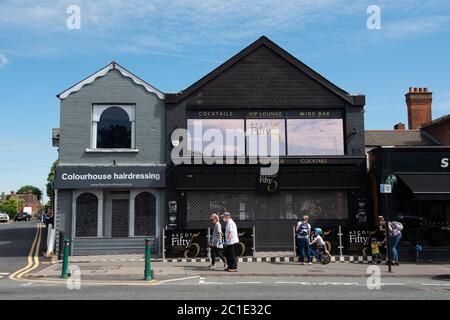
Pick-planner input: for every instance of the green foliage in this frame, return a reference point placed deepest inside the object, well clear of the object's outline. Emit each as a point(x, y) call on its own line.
point(35, 190)
point(11, 206)
point(50, 179)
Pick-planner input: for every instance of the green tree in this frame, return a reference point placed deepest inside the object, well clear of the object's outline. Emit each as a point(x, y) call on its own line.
point(35, 190)
point(11, 206)
point(50, 179)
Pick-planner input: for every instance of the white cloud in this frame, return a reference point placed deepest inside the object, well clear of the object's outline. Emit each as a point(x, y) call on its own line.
point(3, 60)
point(175, 27)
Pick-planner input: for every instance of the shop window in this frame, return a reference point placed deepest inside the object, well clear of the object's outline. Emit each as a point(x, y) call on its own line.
point(262, 134)
point(86, 215)
point(249, 205)
point(225, 135)
point(113, 127)
point(315, 137)
point(144, 214)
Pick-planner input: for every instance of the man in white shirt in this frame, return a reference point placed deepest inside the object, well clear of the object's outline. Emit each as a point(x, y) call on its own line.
point(231, 240)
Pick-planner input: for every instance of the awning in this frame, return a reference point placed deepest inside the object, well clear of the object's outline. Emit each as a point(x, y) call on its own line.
point(428, 186)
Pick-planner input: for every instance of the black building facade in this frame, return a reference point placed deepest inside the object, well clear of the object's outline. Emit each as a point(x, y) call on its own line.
point(420, 197)
point(322, 167)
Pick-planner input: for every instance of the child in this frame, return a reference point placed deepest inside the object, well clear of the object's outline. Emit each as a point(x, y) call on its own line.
point(375, 248)
point(318, 240)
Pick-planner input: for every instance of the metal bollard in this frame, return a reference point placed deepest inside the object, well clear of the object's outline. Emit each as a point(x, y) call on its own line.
point(65, 267)
point(148, 272)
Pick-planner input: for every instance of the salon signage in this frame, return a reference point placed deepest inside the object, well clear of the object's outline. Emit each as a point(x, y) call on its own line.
point(74, 177)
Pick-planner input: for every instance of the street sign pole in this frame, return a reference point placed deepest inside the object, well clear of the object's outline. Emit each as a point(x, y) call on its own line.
point(388, 240)
point(386, 188)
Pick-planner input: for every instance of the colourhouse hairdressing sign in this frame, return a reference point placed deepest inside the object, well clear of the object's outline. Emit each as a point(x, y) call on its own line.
point(110, 177)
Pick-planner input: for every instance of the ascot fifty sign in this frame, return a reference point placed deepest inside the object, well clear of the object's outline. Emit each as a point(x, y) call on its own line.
point(110, 177)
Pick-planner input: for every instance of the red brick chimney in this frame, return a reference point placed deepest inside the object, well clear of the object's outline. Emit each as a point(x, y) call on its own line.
point(399, 126)
point(418, 101)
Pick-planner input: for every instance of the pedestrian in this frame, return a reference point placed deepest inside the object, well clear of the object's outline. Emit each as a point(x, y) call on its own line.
point(216, 244)
point(375, 249)
point(395, 232)
point(380, 234)
point(231, 240)
point(303, 232)
point(318, 245)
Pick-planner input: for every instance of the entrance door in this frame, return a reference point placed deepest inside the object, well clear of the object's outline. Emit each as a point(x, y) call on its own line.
point(120, 218)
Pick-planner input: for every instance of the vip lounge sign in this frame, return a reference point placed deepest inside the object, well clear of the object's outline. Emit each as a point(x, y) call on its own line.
point(74, 177)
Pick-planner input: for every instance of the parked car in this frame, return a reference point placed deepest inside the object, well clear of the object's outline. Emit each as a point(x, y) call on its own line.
point(418, 229)
point(4, 217)
point(22, 216)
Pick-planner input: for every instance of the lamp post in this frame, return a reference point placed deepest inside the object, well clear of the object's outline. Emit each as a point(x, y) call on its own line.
point(386, 188)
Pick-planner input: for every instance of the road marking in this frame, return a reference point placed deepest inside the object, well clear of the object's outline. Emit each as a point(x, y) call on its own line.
point(392, 284)
point(326, 283)
point(2, 277)
point(248, 282)
point(179, 279)
point(33, 256)
point(435, 284)
point(4, 273)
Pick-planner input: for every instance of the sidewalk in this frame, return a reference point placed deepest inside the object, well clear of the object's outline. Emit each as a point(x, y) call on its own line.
point(127, 271)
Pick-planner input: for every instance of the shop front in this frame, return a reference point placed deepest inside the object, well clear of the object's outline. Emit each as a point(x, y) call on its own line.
point(319, 150)
point(420, 197)
point(111, 209)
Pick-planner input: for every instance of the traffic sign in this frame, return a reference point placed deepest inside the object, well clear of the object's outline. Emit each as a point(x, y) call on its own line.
point(385, 188)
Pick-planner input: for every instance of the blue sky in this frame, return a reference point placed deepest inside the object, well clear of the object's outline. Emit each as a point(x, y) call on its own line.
point(171, 44)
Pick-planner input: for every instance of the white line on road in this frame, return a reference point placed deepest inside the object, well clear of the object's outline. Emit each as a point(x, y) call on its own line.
point(248, 282)
point(4, 273)
point(435, 284)
point(179, 279)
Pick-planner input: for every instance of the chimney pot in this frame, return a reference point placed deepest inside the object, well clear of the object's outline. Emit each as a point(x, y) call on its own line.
point(399, 126)
point(418, 101)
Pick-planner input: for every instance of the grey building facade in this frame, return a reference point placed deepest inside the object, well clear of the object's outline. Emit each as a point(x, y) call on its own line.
point(111, 173)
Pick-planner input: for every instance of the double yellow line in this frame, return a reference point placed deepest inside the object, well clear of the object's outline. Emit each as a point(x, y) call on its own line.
point(33, 263)
point(33, 256)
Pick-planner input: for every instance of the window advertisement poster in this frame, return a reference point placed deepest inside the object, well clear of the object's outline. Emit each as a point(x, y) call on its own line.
point(263, 135)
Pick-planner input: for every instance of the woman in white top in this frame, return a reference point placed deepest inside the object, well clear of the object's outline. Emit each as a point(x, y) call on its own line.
point(216, 244)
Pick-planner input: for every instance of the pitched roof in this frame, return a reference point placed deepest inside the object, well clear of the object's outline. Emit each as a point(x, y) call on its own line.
point(375, 138)
point(436, 121)
point(102, 72)
point(264, 41)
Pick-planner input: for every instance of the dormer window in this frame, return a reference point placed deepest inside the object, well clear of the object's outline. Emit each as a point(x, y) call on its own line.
point(113, 127)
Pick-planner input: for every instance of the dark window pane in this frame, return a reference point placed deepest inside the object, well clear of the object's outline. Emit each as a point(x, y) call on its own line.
point(114, 129)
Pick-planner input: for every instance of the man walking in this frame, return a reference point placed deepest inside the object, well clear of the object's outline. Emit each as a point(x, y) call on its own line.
point(231, 240)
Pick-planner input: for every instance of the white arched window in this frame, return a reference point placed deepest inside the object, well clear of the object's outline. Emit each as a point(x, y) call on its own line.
point(113, 127)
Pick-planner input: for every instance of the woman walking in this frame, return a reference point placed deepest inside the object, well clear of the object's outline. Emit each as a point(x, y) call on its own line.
point(216, 244)
point(395, 232)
